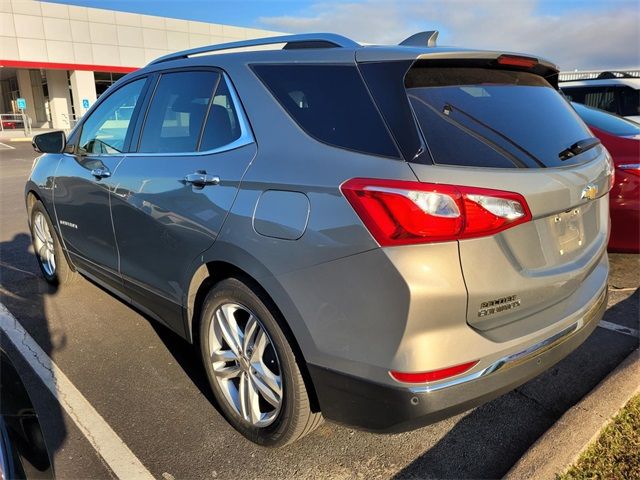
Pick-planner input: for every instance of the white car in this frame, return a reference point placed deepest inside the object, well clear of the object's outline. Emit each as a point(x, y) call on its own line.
point(619, 95)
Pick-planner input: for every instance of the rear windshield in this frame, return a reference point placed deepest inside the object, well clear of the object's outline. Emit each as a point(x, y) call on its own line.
point(493, 118)
point(605, 121)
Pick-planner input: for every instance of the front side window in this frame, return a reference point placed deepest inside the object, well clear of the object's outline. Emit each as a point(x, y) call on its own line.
point(177, 112)
point(104, 132)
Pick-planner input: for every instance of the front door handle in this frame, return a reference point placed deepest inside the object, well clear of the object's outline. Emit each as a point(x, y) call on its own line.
point(101, 172)
point(201, 179)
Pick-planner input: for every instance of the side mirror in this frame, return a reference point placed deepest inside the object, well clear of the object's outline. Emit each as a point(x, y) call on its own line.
point(50, 142)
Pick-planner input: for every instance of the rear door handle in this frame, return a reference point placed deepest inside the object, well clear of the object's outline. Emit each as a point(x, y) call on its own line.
point(201, 179)
point(101, 172)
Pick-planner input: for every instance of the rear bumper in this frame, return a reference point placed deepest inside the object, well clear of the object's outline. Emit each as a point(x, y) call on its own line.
point(372, 406)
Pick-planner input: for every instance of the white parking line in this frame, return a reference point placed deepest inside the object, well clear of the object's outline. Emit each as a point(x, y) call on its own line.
point(104, 440)
point(619, 328)
point(7, 146)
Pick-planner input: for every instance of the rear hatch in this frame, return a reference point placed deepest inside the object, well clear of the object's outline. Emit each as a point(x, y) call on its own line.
point(507, 128)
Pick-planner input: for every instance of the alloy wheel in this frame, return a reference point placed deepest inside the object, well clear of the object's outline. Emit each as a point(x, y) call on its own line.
point(245, 364)
point(43, 244)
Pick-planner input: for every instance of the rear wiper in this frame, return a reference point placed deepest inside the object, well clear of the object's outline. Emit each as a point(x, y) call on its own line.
point(578, 148)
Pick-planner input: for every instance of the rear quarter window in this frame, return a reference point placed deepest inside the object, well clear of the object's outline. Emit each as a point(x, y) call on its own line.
point(331, 104)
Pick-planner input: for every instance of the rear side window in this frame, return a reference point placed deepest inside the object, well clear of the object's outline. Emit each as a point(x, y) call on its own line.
point(596, 97)
point(177, 112)
point(330, 103)
point(222, 126)
point(492, 118)
point(623, 100)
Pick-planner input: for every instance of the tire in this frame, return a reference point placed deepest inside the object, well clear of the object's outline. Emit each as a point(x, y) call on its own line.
point(47, 247)
point(254, 368)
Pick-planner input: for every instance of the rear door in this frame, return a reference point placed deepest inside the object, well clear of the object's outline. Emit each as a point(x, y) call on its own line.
point(175, 190)
point(510, 130)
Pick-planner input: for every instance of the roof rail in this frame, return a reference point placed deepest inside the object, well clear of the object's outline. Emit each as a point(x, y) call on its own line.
point(305, 40)
point(421, 39)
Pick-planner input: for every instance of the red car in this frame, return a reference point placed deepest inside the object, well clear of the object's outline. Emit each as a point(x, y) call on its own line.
point(622, 138)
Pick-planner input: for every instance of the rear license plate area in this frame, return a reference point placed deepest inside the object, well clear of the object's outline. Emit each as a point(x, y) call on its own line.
point(568, 228)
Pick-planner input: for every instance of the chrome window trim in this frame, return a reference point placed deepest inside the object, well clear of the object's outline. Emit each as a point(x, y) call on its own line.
point(521, 356)
point(245, 138)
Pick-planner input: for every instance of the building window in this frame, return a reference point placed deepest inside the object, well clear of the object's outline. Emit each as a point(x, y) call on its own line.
point(105, 79)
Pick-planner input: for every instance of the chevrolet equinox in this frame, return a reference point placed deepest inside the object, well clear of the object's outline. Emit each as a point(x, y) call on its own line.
point(382, 236)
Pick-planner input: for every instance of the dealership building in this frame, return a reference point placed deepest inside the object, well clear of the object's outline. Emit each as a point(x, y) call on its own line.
point(57, 59)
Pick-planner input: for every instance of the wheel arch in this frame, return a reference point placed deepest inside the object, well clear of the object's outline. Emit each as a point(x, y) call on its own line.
point(210, 273)
point(31, 198)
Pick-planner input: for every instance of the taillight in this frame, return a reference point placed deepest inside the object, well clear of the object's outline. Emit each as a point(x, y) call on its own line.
point(632, 168)
point(433, 375)
point(400, 212)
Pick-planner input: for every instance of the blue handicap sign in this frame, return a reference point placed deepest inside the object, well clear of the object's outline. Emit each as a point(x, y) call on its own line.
point(85, 103)
point(22, 104)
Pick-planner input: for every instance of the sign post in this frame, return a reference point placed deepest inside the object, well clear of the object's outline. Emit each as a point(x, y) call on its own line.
point(22, 106)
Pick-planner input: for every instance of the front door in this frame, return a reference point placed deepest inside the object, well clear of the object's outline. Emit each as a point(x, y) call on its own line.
point(174, 193)
point(84, 179)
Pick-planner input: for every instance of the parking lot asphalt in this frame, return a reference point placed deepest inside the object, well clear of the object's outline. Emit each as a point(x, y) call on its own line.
point(148, 386)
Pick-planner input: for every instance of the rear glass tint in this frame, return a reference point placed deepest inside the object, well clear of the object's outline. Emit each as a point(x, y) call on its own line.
point(492, 118)
point(331, 103)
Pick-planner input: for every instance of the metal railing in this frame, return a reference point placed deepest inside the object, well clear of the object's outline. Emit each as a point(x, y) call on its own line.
point(70, 120)
point(593, 74)
point(14, 121)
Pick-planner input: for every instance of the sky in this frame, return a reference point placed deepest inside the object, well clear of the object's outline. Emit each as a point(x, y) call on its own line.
point(575, 34)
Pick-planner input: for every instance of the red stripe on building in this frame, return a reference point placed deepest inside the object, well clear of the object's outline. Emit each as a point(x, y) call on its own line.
point(66, 66)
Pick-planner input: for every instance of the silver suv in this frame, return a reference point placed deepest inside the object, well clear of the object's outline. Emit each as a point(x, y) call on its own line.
point(382, 236)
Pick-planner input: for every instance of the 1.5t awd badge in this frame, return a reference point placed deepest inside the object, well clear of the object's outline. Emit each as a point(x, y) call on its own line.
point(498, 305)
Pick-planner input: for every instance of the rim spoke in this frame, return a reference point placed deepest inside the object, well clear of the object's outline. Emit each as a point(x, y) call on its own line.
point(226, 373)
point(259, 345)
point(52, 260)
point(249, 400)
point(223, 356)
point(229, 329)
point(43, 252)
point(250, 332)
point(37, 229)
point(269, 388)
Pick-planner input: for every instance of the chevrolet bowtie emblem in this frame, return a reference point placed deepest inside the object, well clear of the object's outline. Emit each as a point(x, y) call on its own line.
point(590, 191)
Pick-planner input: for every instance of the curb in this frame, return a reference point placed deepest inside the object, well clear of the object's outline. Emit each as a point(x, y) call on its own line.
point(563, 443)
